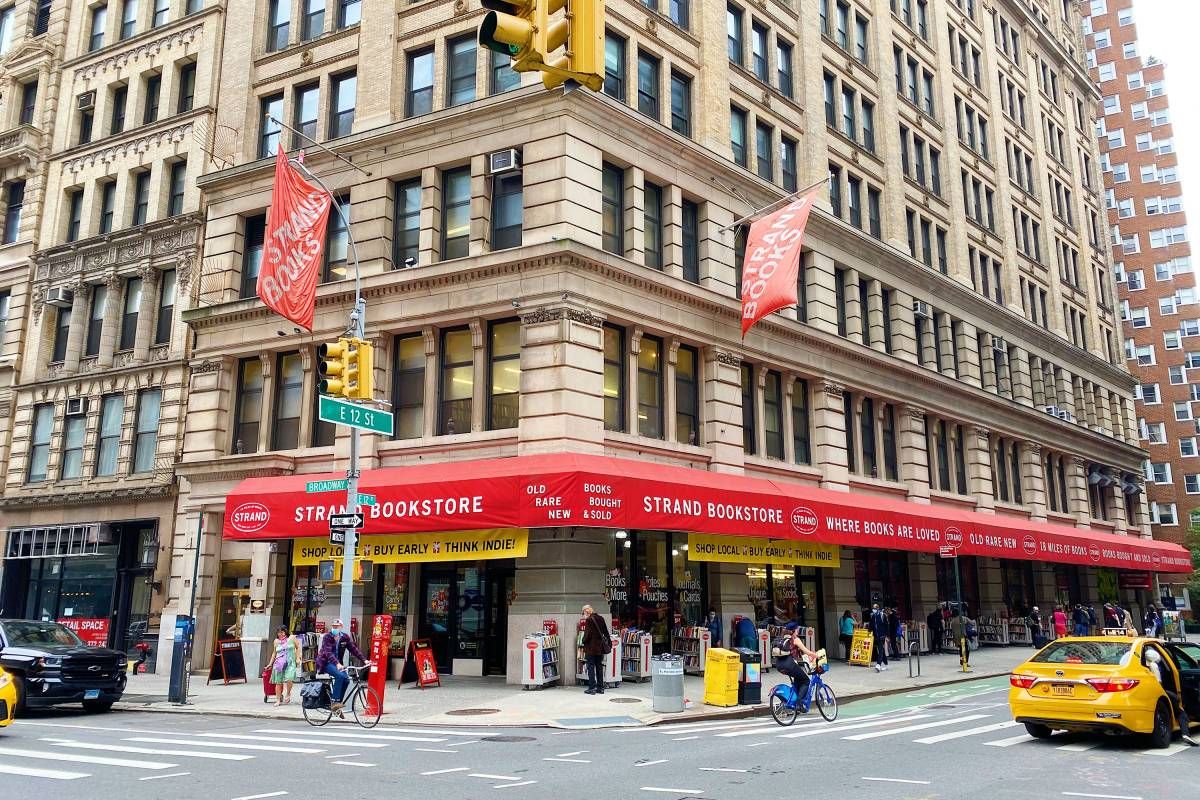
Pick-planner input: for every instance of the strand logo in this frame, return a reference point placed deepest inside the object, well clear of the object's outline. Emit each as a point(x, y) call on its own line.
point(1094, 552)
point(804, 520)
point(1029, 545)
point(1155, 560)
point(954, 538)
point(250, 517)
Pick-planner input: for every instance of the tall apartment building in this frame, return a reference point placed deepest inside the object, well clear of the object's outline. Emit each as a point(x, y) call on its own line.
point(552, 286)
point(115, 113)
point(1156, 283)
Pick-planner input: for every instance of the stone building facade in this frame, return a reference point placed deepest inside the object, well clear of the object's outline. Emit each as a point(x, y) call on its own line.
point(1155, 280)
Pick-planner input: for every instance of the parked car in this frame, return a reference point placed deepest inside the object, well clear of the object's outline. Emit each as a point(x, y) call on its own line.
point(50, 665)
point(8, 698)
point(1102, 684)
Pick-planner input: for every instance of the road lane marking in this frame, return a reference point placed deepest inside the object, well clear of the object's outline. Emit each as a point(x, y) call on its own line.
point(1024, 737)
point(572, 753)
point(260, 796)
point(759, 730)
point(838, 728)
point(491, 777)
point(722, 769)
point(757, 744)
point(169, 775)
point(270, 748)
point(1166, 751)
point(907, 728)
point(152, 751)
point(241, 737)
point(945, 737)
point(354, 764)
point(1103, 796)
point(512, 785)
point(651, 763)
point(685, 738)
point(432, 750)
point(895, 780)
point(394, 734)
point(446, 771)
point(460, 744)
point(27, 723)
point(82, 759)
point(1080, 747)
point(569, 760)
point(672, 791)
point(37, 772)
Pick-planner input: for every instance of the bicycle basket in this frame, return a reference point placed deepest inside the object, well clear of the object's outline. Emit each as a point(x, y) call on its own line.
point(822, 662)
point(314, 695)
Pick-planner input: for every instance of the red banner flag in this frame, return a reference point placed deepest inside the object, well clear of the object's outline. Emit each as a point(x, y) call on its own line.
point(294, 245)
point(772, 261)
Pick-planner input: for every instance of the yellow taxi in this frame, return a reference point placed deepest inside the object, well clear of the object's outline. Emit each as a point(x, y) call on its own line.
point(8, 698)
point(1106, 684)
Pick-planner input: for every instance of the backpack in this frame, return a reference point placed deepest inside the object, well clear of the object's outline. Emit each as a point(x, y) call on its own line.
point(971, 631)
point(313, 695)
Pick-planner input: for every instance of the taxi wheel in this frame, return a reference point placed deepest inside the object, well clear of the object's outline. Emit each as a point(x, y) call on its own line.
point(1038, 731)
point(1160, 737)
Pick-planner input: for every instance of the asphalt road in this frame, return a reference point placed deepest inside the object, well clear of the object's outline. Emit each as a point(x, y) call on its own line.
point(950, 743)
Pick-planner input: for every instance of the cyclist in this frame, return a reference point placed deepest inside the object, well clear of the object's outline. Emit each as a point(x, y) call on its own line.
point(334, 644)
point(793, 666)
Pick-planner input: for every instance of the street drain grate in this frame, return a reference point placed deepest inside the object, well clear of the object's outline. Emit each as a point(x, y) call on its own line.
point(625, 700)
point(510, 739)
point(472, 712)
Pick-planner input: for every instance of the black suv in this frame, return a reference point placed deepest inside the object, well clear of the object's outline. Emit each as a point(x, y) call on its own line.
point(52, 665)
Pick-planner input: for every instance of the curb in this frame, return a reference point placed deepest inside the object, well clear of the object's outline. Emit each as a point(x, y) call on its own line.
point(737, 712)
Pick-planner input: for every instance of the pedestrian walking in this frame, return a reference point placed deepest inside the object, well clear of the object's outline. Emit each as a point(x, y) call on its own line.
point(1059, 619)
point(1127, 621)
point(846, 632)
point(937, 630)
point(1091, 614)
point(597, 642)
point(1160, 626)
point(284, 665)
point(893, 627)
point(1079, 617)
point(1111, 620)
point(960, 625)
point(1149, 622)
point(1036, 634)
point(879, 630)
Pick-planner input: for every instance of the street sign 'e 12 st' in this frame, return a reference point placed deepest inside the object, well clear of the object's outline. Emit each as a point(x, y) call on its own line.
point(341, 412)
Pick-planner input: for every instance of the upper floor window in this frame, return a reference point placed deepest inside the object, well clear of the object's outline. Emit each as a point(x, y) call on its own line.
point(503, 76)
point(341, 107)
point(96, 33)
point(409, 386)
point(614, 378)
point(687, 396)
point(420, 83)
point(507, 210)
point(349, 13)
point(650, 387)
point(252, 252)
point(129, 315)
point(407, 228)
point(41, 21)
point(141, 197)
point(614, 66)
point(129, 13)
point(504, 385)
point(39, 442)
point(145, 432)
point(178, 189)
point(681, 103)
point(613, 237)
point(647, 86)
point(313, 21)
point(108, 201)
point(304, 115)
point(153, 90)
point(62, 333)
point(108, 438)
point(279, 17)
point(457, 381)
point(456, 213)
point(783, 68)
point(289, 402)
point(165, 319)
point(95, 325)
point(460, 80)
point(749, 431)
point(74, 430)
point(270, 115)
point(187, 87)
point(248, 411)
point(162, 9)
point(680, 12)
point(737, 136)
point(14, 203)
point(337, 240)
point(758, 51)
point(691, 241)
point(733, 34)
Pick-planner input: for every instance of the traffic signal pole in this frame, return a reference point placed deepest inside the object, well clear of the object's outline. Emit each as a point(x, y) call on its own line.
point(356, 329)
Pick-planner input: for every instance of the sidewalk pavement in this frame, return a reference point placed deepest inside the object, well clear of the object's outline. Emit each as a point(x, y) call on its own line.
point(474, 702)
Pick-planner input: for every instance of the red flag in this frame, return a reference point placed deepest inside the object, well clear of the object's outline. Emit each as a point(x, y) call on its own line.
point(294, 245)
point(772, 261)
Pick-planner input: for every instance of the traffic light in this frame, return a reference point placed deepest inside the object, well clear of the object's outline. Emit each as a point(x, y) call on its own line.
point(530, 31)
point(332, 359)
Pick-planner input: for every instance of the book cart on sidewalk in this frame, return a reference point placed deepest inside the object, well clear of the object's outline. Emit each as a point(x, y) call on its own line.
point(610, 667)
point(691, 643)
point(636, 649)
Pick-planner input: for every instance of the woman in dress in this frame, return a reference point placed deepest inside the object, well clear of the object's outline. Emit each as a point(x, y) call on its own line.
point(284, 665)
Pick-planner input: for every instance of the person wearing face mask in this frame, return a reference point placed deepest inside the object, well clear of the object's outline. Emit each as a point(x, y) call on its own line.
point(329, 660)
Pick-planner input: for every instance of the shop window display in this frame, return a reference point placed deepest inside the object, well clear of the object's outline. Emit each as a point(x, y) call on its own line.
point(881, 576)
point(652, 585)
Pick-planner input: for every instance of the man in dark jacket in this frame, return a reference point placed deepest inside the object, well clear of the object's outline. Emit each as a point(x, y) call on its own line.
point(936, 630)
point(879, 629)
point(1080, 618)
point(329, 660)
point(596, 643)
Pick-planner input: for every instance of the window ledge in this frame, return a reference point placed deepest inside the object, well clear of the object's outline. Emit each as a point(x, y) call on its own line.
point(952, 499)
point(644, 445)
point(803, 472)
point(878, 485)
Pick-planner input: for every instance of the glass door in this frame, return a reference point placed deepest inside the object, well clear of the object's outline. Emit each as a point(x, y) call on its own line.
point(498, 589)
point(437, 600)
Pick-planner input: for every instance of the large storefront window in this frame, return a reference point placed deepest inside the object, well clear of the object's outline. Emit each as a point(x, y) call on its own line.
point(781, 594)
point(1020, 594)
point(881, 576)
point(1067, 585)
point(968, 582)
point(651, 584)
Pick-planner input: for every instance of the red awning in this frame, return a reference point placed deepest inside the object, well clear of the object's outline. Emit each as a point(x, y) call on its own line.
point(604, 492)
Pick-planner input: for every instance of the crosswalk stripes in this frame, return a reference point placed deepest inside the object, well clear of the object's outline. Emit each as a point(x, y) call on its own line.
point(38, 772)
point(151, 751)
point(945, 737)
point(1009, 742)
point(324, 742)
point(270, 748)
point(837, 727)
point(941, 723)
point(79, 758)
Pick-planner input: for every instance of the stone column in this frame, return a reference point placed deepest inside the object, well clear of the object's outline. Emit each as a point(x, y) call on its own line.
point(670, 401)
point(631, 380)
point(914, 454)
point(723, 409)
point(562, 382)
point(146, 321)
point(820, 291)
point(1103, 412)
point(928, 342)
point(479, 388)
point(968, 354)
point(267, 410)
point(481, 206)
point(945, 334)
point(80, 309)
point(904, 332)
point(1033, 486)
point(429, 421)
point(635, 214)
point(112, 318)
point(854, 309)
point(1004, 372)
point(987, 363)
point(758, 388)
point(1022, 389)
point(875, 315)
point(1077, 491)
point(979, 468)
point(829, 436)
point(672, 222)
point(789, 427)
point(1116, 506)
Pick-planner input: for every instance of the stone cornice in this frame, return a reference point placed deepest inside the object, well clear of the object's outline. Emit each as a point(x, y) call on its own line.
point(237, 467)
point(173, 129)
point(184, 30)
point(172, 242)
point(136, 492)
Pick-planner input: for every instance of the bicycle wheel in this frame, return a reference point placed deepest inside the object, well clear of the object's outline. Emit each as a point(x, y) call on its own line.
point(826, 702)
point(317, 716)
point(783, 713)
point(361, 705)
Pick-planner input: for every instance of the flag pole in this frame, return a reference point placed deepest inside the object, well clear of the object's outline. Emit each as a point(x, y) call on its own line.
point(770, 206)
point(318, 145)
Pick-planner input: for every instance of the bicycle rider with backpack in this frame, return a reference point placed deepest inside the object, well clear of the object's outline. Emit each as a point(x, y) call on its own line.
point(793, 666)
point(334, 645)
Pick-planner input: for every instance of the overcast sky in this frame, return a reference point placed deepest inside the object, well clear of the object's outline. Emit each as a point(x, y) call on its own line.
point(1167, 30)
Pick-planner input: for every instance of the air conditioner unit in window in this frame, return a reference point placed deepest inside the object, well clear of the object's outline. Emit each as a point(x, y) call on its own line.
point(1051, 410)
point(1065, 415)
point(503, 161)
point(60, 296)
point(999, 344)
point(86, 101)
point(921, 309)
point(76, 406)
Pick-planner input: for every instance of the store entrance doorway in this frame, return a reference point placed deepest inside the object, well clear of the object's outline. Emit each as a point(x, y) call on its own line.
point(464, 613)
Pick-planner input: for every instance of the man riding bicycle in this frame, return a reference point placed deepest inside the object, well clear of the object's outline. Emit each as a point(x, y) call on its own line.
point(334, 644)
point(793, 666)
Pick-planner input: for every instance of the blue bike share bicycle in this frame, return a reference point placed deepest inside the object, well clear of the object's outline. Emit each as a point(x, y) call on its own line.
point(786, 704)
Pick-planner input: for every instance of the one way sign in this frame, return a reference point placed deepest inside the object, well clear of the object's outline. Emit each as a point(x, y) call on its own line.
point(345, 521)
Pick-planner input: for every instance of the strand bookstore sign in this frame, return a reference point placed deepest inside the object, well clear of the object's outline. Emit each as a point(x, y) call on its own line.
point(753, 550)
point(568, 489)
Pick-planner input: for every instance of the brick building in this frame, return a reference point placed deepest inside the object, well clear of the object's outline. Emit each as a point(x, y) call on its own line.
point(1156, 282)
